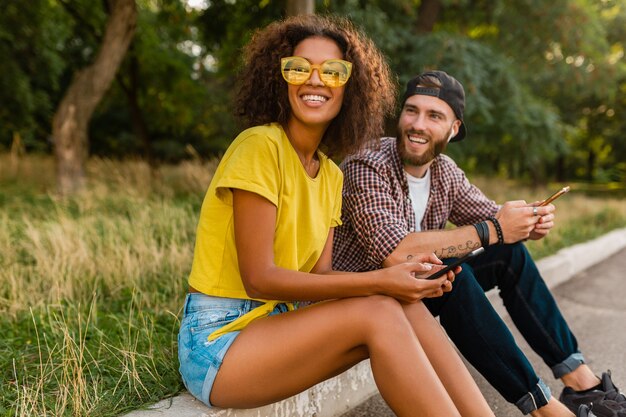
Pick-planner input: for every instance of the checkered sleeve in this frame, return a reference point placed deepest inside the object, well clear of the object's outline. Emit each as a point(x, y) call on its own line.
point(471, 205)
point(370, 201)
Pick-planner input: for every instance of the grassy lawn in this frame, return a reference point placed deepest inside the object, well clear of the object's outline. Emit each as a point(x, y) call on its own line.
point(91, 287)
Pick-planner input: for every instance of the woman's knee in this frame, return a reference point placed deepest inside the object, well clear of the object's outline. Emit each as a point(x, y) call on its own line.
point(379, 313)
point(381, 304)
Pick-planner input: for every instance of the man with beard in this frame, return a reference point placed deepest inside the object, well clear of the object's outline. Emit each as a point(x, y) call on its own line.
point(397, 200)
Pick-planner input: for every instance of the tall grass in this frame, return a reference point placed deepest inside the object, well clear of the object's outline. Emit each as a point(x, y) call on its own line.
point(91, 286)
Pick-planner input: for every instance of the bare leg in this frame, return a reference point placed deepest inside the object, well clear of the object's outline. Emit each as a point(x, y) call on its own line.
point(279, 356)
point(580, 378)
point(447, 363)
point(554, 408)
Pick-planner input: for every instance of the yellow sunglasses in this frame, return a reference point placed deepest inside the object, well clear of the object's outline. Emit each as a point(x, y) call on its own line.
point(333, 72)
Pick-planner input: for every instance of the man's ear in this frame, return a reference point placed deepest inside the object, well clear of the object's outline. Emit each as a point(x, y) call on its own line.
point(455, 129)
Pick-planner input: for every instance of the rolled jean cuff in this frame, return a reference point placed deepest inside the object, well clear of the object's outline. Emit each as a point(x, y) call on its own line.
point(535, 398)
point(570, 364)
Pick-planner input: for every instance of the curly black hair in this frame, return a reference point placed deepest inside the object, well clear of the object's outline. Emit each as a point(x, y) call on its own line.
point(368, 98)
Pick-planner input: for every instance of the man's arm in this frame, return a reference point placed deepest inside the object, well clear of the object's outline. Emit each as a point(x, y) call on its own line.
point(466, 205)
point(443, 243)
point(371, 201)
point(515, 217)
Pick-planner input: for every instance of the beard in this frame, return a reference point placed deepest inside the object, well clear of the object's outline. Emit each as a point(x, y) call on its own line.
point(435, 147)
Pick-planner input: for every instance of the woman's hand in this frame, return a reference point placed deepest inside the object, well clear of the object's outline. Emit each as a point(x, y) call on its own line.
point(436, 264)
point(405, 282)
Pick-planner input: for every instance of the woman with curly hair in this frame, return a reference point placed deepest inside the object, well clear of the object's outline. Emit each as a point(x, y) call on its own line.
point(312, 87)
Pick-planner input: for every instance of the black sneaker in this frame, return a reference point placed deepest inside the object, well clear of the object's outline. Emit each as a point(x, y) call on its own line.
point(607, 400)
point(584, 411)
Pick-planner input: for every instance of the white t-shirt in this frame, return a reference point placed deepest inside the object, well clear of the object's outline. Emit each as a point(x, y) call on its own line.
point(419, 189)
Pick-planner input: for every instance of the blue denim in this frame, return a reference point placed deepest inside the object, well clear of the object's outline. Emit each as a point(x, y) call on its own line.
point(484, 339)
point(199, 358)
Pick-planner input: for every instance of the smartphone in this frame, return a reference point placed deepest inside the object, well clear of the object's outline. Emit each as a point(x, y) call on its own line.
point(456, 263)
point(554, 196)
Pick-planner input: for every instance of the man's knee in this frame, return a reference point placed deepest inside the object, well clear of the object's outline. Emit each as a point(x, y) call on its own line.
point(515, 266)
point(465, 289)
point(510, 253)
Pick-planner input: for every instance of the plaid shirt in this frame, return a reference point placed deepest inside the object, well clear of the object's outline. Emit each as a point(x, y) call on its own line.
point(377, 212)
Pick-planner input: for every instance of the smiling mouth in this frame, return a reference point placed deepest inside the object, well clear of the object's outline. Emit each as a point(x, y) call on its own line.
point(314, 98)
point(417, 139)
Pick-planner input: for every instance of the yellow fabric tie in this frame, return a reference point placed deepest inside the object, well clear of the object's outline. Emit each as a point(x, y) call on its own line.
point(243, 321)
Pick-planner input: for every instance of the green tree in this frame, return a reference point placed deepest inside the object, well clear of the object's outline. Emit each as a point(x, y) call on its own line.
point(599, 151)
point(502, 113)
point(30, 37)
point(159, 100)
point(530, 69)
point(543, 79)
point(88, 86)
point(296, 7)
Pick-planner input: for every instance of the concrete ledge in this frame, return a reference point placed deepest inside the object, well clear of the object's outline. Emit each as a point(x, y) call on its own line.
point(337, 395)
point(330, 398)
point(570, 261)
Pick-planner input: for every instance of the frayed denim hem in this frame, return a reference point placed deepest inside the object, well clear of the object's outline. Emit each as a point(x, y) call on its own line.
point(570, 364)
point(534, 399)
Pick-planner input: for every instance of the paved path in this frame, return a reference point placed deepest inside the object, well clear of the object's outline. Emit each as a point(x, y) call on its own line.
point(594, 304)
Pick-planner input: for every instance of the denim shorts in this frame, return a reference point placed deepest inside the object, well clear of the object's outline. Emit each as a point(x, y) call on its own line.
point(199, 358)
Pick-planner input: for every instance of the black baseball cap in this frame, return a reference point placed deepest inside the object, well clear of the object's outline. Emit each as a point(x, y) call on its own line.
point(451, 92)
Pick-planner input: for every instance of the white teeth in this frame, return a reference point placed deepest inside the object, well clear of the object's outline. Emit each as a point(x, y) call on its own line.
point(417, 139)
point(311, 97)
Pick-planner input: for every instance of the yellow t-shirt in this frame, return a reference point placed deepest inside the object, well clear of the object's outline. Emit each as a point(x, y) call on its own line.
point(262, 160)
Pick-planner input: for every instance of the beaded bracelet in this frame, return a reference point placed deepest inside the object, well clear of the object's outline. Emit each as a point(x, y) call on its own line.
point(496, 224)
point(483, 233)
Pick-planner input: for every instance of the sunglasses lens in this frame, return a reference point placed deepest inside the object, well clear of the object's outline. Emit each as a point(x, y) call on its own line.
point(296, 70)
point(335, 73)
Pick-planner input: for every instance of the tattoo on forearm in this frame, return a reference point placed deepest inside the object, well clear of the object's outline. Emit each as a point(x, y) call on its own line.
point(456, 251)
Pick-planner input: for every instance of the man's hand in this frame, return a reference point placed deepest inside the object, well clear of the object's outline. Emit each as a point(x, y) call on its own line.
point(520, 220)
point(544, 222)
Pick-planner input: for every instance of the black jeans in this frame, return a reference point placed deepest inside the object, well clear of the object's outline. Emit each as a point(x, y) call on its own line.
point(483, 338)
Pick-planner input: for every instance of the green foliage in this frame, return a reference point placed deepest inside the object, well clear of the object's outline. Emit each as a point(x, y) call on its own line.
point(228, 25)
point(162, 71)
point(30, 37)
point(570, 54)
point(500, 108)
point(544, 80)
